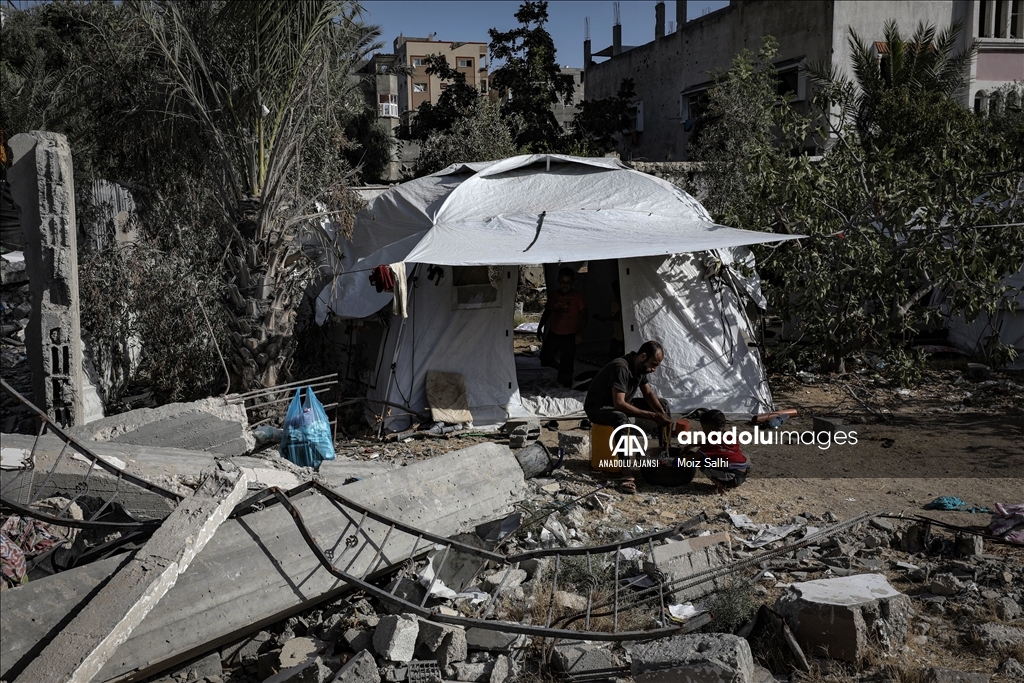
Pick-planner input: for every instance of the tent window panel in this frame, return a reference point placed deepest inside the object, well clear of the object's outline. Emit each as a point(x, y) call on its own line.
point(476, 286)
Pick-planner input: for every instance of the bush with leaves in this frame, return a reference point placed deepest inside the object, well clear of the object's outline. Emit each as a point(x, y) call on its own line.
point(916, 199)
point(484, 137)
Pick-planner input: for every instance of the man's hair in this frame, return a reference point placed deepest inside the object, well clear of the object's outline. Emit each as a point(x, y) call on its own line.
point(651, 348)
point(563, 272)
point(713, 419)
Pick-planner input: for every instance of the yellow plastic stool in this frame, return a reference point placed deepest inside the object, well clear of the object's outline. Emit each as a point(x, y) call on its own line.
point(600, 448)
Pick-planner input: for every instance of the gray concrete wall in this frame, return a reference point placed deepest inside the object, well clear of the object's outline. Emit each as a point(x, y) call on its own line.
point(665, 68)
point(42, 184)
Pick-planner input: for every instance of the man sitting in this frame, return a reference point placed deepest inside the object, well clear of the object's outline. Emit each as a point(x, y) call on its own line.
point(609, 400)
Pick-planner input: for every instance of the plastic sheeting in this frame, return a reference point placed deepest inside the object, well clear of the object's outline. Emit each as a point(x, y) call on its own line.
point(700, 324)
point(523, 210)
point(972, 336)
point(474, 340)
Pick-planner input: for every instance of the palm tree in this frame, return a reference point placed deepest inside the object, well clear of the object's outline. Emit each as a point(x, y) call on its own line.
point(241, 79)
point(924, 64)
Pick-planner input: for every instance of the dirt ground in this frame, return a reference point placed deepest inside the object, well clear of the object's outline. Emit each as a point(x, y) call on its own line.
point(911, 448)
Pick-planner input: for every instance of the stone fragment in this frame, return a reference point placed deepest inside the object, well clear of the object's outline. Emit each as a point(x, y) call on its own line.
point(945, 584)
point(1012, 670)
point(574, 444)
point(503, 670)
point(493, 641)
point(969, 545)
point(937, 675)
point(298, 650)
point(999, 636)
point(570, 601)
point(580, 658)
point(840, 617)
point(473, 672)
point(681, 559)
point(916, 537)
point(515, 579)
point(445, 643)
point(310, 671)
point(395, 637)
point(1006, 609)
point(709, 658)
point(360, 669)
point(535, 567)
point(407, 589)
point(358, 640)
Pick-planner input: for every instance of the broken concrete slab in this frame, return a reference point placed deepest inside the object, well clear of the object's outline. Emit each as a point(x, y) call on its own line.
point(473, 672)
point(709, 658)
point(297, 650)
point(681, 559)
point(82, 647)
point(998, 636)
point(487, 640)
point(840, 617)
point(395, 637)
point(209, 425)
point(578, 658)
point(936, 675)
point(445, 643)
point(259, 570)
point(310, 671)
point(360, 669)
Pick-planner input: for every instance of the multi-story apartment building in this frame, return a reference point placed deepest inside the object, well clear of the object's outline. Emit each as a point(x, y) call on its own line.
point(418, 87)
point(674, 71)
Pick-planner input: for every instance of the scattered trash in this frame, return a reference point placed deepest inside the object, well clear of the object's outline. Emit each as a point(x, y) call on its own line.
point(306, 439)
point(954, 503)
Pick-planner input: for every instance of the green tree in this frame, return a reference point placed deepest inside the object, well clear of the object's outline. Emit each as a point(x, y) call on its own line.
point(914, 201)
point(598, 122)
point(244, 80)
point(484, 137)
point(530, 80)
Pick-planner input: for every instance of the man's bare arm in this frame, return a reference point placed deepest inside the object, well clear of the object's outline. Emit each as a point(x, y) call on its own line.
point(620, 403)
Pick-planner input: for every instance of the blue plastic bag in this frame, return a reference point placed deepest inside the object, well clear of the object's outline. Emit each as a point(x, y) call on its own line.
point(306, 439)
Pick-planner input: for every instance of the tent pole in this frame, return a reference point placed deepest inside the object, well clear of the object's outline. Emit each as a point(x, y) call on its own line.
point(394, 358)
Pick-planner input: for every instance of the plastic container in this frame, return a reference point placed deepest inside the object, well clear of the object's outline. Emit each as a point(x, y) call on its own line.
point(600, 449)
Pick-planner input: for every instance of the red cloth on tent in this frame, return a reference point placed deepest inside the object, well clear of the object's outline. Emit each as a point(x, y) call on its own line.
point(382, 278)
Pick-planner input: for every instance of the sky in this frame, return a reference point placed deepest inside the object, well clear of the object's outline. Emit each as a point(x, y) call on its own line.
point(468, 21)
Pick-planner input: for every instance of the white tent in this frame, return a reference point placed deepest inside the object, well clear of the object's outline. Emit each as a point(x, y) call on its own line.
point(550, 209)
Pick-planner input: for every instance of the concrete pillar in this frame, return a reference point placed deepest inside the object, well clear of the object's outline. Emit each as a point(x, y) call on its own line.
point(616, 39)
point(680, 14)
point(42, 184)
point(659, 20)
point(586, 54)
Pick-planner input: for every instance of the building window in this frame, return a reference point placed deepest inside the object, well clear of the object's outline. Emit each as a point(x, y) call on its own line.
point(981, 102)
point(790, 85)
point(387, 105)
point(693, 107)
point(419, 61)
point(465, 62)
point(483, 86)
point(477, 286)
point(444, 86)
point(1016, 25)
point(419, 87)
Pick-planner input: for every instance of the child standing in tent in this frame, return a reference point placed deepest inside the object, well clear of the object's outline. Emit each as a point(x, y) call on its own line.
point(561, 327)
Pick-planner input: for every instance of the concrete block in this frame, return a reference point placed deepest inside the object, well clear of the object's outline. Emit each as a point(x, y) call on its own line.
point(515, 580)
point(298, 650)
point(574, 444)
point(358, 640)
point(945, 584)
point(570, 601)
point(210, 665)
point(259, 569)
point(580, 658)
point(445, 643)
point(395, 637)
point(936, 675)
point(681, 559)
point(504, 670)
point(493, 641)
point(840, 617)
point(708, 658)
point(995, 637)
point(360, 669)
point(969, 545)
point(473, 672)
point(310, 671)
point(244, 652)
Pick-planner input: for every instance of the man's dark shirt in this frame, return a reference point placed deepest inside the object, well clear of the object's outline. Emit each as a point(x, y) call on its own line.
point(618, 375)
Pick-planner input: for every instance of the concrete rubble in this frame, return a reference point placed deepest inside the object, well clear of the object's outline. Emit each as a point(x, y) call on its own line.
point(847, 600)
